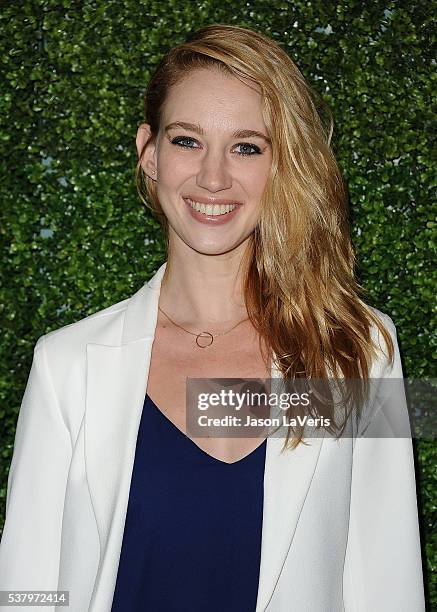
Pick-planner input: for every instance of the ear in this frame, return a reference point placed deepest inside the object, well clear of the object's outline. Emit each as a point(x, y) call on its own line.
point(148, 161)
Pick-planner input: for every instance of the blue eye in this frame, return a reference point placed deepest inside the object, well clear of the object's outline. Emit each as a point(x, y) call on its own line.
point(182, 141)
point(179, 141)
point(256, 150)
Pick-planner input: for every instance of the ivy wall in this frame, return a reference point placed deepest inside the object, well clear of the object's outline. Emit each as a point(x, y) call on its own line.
point(75, 236)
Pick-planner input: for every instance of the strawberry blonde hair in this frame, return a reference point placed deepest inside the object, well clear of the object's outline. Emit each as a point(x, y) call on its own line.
point(299, 283)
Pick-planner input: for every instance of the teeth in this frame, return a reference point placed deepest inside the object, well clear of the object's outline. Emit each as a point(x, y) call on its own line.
point(211, 209)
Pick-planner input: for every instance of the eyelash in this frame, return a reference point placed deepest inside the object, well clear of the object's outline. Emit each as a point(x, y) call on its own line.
point(178, 139)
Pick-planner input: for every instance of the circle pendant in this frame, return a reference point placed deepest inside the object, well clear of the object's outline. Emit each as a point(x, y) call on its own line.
point(206, 339)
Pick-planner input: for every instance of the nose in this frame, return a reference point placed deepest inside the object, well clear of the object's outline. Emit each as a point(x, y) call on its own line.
point(213, 173)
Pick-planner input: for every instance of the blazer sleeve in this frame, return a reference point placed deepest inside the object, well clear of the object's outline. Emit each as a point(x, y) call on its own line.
point(30, 545)
point(383, 570)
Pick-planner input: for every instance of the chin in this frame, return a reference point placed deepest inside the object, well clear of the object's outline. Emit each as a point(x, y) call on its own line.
point(211, 249)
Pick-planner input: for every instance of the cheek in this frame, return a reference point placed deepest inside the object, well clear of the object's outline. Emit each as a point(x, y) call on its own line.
point(172, 175)
point(256, 178)
point(173, 166)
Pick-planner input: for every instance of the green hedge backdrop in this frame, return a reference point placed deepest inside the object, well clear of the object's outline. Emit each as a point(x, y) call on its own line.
point(75, 236)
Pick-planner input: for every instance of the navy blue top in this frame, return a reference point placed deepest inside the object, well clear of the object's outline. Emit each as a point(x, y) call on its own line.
point(192, 537)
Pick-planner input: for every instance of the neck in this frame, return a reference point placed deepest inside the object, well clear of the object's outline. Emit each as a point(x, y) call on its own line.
point(204, 291)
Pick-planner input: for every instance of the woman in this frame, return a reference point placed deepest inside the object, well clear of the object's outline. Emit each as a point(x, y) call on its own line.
point(108, 497)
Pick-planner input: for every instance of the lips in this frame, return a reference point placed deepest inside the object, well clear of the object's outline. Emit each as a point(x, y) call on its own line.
point(212, 220)
point(212, 201)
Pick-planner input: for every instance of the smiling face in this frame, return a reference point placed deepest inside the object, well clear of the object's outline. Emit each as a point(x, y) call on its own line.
point(212, 149)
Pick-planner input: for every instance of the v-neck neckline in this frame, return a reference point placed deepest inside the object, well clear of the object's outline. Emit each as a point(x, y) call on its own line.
point(191, 441)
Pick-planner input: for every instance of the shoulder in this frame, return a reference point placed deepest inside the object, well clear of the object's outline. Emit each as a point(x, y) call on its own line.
point(111, 324)
point(102, 327)
point(387, 323)
point(384, 319)
point(381, 366)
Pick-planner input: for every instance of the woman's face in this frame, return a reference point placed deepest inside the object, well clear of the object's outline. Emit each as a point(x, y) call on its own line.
point(212, 149)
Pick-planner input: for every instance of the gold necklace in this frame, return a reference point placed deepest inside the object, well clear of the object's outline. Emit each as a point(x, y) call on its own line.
point(204, 336)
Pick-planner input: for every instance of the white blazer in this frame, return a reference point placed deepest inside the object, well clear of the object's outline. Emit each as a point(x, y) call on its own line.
point(340, 527)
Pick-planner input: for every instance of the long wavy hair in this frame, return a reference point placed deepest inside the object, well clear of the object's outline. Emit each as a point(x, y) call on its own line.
point(300, 289)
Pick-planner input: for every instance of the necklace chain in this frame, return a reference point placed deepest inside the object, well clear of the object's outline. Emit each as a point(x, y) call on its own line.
point(206, 336)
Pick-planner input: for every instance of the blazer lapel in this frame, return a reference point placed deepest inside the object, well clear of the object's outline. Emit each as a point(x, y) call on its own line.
point(287, 478)
point(116, 384)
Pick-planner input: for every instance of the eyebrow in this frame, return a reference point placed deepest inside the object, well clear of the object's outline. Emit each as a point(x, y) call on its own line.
point(198, 130)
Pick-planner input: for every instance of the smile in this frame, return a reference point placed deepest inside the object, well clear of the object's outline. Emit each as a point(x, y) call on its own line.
point(212, 210)
point(212, 214)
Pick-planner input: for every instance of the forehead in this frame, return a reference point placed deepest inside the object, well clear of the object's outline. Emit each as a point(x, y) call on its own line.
point(214, 99)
